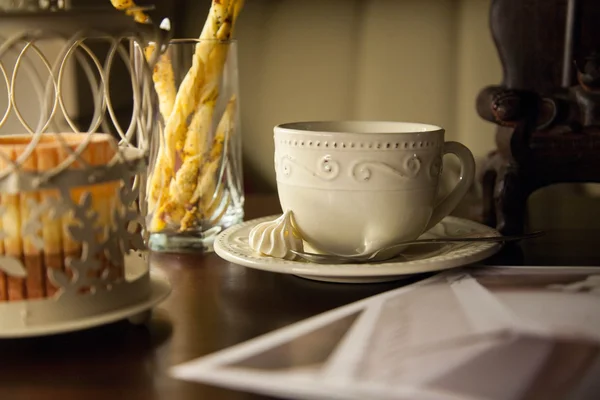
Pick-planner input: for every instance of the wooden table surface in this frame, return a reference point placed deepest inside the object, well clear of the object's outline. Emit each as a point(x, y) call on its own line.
point(214, 304)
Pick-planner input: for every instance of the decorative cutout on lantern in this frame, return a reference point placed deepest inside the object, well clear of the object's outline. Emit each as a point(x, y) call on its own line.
point(12, 267)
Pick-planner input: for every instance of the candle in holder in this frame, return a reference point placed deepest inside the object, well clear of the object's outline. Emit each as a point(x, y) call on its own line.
point(38, 232)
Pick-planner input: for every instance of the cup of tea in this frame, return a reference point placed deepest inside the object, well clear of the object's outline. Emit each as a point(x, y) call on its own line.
point(355, 187)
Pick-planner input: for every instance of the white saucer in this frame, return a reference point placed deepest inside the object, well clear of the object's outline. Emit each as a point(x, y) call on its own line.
point(137, 313)
point(232, 245)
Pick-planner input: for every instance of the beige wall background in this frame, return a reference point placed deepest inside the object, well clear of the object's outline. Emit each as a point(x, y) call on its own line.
point(417, 60)
point(414, 60)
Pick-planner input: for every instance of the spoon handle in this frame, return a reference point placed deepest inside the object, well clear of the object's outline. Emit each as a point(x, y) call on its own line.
point(486, 239)
point(474, 239)
point(340, 259)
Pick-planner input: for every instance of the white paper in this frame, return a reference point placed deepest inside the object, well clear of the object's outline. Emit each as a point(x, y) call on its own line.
point(495, 333)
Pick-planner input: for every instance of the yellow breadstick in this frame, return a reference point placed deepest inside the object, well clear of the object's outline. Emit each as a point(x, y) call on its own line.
point(168, 213)
point(168, 196)
point(223, 134)
point(194, 148)
point(206, 184)
point(186, 102)
point(165, 88)
point(219, 26)
point(164, 84)
point(175, 131)
point(196, 179)
point(159, 179)
point(127, 6)
point(184, 184)
point(164, 81)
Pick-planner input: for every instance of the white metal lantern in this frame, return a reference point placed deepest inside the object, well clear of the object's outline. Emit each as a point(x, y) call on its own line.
point(72, 163)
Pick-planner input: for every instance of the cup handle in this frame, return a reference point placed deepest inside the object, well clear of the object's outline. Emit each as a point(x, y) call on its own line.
point(467, 175)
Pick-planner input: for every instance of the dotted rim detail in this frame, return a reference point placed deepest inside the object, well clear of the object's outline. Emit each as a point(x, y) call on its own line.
point(335, 145)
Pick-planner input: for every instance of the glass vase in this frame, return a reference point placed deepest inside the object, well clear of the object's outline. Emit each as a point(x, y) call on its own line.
point(194, 189)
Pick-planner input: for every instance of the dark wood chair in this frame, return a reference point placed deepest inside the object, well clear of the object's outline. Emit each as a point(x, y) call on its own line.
point(547, 106)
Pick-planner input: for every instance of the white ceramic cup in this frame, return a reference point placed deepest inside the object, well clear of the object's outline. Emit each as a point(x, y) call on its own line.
point(358, 186)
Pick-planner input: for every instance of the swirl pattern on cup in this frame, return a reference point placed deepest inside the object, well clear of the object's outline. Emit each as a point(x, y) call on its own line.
point(363, 171)
point(327, 168)
point(437, 165)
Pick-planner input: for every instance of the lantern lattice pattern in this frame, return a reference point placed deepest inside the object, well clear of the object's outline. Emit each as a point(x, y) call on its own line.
point(72, 161)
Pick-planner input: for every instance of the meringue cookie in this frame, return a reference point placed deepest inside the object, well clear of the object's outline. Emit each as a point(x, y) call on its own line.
point(277, 238)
